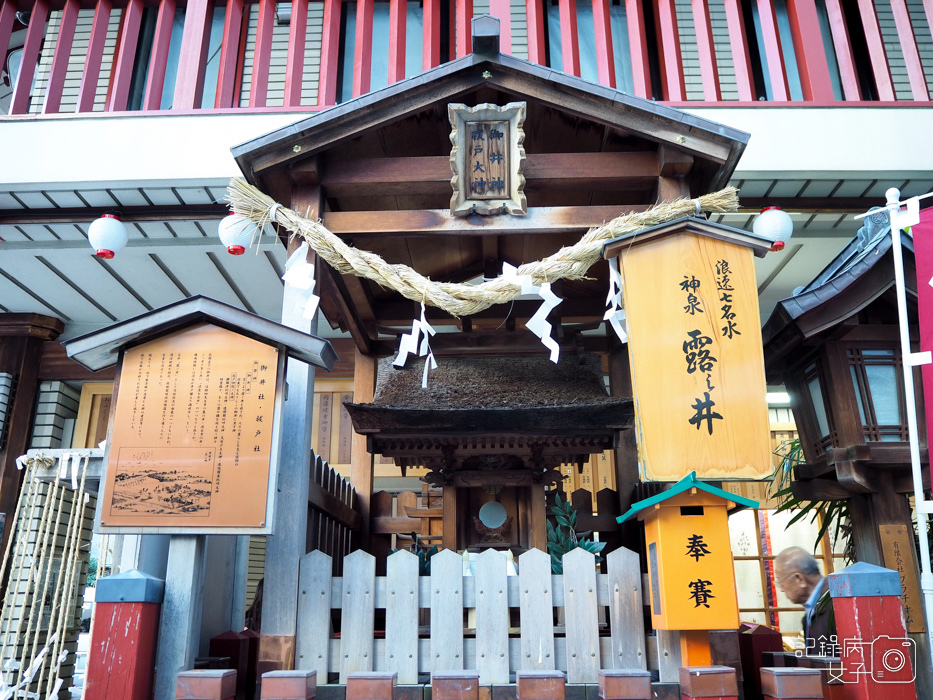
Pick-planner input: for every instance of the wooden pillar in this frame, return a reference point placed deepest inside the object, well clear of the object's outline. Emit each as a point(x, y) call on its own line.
point(626, 454)
point(450, 518)
point(538, 517)
point(21, 339)
point(361, 460)
point(180, 621)
point(286, 546)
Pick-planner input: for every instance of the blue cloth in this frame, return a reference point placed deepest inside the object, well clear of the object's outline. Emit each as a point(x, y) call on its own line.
point(810, 605)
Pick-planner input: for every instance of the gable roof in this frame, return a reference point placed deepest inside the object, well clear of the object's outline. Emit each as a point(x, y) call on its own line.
point(101, 348)
point(717, 145)
point(688, 482)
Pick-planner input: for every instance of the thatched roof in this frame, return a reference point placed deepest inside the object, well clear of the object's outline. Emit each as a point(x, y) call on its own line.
point(493, 395)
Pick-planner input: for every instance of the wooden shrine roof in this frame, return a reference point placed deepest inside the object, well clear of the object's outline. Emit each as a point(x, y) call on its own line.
point(493, 396)
point(376, 171)
point(862, 273)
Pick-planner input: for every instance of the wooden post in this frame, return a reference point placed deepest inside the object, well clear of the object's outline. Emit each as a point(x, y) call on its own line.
point(286, 546)
point(361, 461)
point(180, 623)
point(21, 338)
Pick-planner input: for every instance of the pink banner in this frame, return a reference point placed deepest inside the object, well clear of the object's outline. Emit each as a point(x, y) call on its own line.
point(923, 250)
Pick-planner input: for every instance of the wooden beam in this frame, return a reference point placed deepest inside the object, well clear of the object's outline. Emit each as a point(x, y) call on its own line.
point(811, 53)
point(398, 15)
point(330, 53)
point(880, 67)
point(434, 222)
point(431, 174)
point(122, 76)
point(158, 57)
point(329, 504)
point(361, 461)
point(851, 89)
point(773, 52)
point(502, 343)
point(741, 60)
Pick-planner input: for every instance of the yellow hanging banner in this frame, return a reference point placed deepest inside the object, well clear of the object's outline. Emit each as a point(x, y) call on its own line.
point(695, 350)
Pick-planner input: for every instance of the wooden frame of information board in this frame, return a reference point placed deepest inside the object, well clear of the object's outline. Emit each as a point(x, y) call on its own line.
point(163, 524)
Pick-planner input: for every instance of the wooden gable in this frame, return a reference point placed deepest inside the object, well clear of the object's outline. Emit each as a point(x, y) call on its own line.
point(376, 171)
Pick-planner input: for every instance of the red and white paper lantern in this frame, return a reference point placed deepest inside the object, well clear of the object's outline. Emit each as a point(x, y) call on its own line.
point(107, 235)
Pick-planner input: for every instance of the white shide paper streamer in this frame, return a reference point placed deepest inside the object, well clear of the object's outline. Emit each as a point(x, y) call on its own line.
point(409, 345)
point(615, 314)
point(537, 324)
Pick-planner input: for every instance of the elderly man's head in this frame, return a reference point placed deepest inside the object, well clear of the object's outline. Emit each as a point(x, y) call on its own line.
point(797, 573)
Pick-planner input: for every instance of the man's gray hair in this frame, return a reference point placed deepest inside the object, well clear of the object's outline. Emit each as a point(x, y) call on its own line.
point(798, 559)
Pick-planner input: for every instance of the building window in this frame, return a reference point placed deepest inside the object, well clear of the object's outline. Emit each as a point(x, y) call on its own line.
point(811, 380)
point(379, 72)
point(878, 391)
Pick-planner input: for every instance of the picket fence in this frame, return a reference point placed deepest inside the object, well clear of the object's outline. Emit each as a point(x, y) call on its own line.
point(428, 626)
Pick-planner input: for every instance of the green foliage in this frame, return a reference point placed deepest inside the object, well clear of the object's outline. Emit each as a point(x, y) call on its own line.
point(424, 554)
point(564, 537)
point(92, 573)
point(835, 514)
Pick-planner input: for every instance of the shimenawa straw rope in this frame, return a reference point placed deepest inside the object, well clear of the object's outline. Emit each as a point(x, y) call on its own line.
point(571, 262)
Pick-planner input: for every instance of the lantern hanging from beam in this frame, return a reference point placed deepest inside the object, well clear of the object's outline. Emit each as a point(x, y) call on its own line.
point(236, 232)
point(107, 235)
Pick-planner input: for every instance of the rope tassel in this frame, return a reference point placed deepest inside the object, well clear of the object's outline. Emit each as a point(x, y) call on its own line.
point(571, 262)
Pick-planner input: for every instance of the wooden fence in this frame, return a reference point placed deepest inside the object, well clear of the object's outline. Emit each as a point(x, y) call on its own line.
point(510, 620)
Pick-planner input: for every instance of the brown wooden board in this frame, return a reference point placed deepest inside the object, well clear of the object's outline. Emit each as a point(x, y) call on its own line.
point(192, 436)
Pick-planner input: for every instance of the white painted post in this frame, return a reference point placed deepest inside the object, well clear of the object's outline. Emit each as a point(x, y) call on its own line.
point(580, 616)
point(446, 611)
point(626, 612)
point(402, 616)
point(358, 612)
point(312, 647)
point(536, 608)
point(180, 621)
point(492, 618)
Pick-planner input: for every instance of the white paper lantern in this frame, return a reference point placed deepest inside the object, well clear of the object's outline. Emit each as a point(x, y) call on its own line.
point(775, 224)
point(107, 235)
point(236, 232)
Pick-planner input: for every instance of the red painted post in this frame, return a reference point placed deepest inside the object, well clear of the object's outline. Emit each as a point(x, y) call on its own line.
point(431, 35)
point(605, 57)
point(363, 48)
point(289, 685)
point(710, 682)
point(295, 62)
point(398, 15)
point(95, 54)
point(638, 44)
point(811, 53)
point(455, 685)
point(192, 59)
point(672, 74)
point(206, 685)
point(371, 685)
point(537, 46)
point(66, 35)
point(125, 59)
point(464, 13)
point(19, 104)
point(791, 683)
point(876, 653)
point(879, 59)
point(569, 40)
point(706, 50)
point(624, 685)
point(772, 42)
point(908, 42)
point(229, 55)
point(540, 685)
point(738, 42)
point(330, 54)
point(503, 10)
point(843, 46)
point(123, 645)
point(259, 84)
point(158, 57)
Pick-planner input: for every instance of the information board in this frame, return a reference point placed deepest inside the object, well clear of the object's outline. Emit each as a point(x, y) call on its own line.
point(192, 436)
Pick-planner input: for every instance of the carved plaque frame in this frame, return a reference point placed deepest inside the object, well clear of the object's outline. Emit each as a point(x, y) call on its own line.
point(480, 196)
